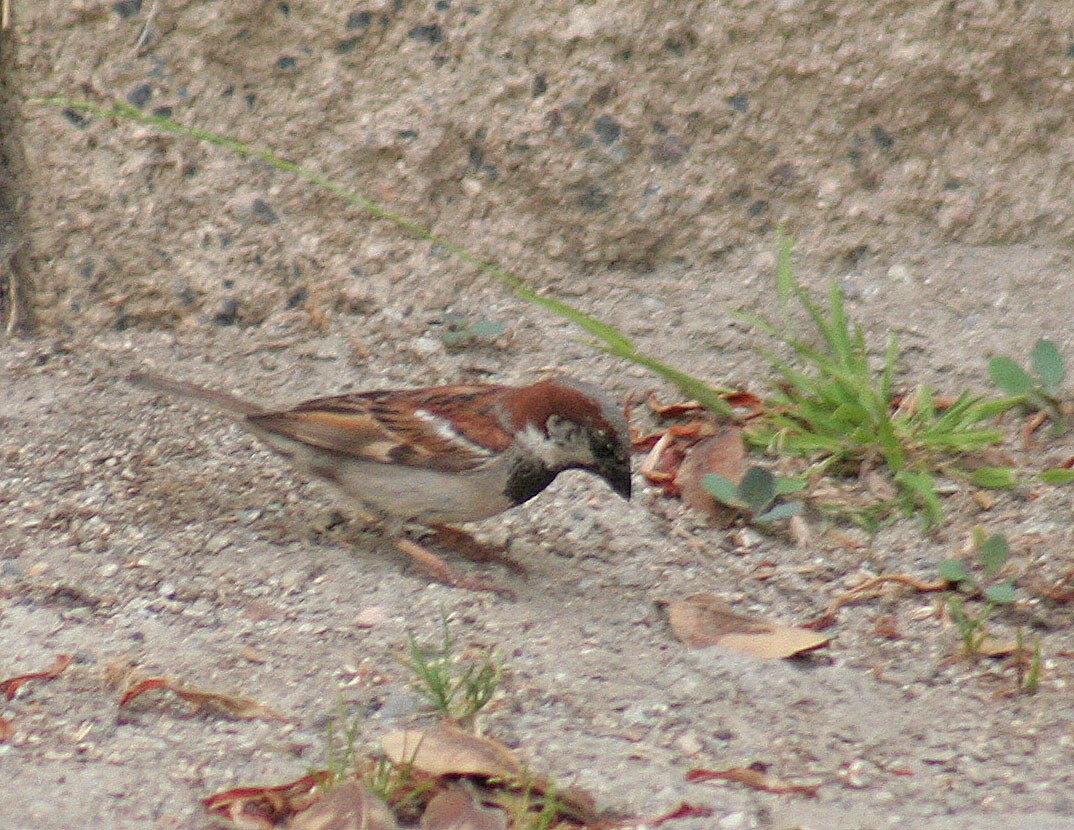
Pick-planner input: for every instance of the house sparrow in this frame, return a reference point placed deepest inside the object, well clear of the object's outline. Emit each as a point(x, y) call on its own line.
point(438, 455)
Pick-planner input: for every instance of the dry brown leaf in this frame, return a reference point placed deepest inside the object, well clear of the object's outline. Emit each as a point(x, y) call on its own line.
point(10, 687)
point(262, 808)
point(684, 810)
point(994, 647)
point(456, 809)
point(672, 410)
point(7, 730)
point(232, 706)
point(703, 620)
point(725, 454)
point(755, 776)
point(448, 750)
point(348, 806)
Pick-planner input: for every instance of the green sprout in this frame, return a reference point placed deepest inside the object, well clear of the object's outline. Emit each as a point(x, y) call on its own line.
point(756, 495)
point(1040, 391)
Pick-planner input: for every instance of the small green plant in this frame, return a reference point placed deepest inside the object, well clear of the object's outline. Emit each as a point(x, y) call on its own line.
point(993, 553)
point(1040, 390)
point(460, 332)
point(342, 749)
point(841, 412)
point(756, 495)
point(456, 687)
point(1030, 664)
point(535, 808)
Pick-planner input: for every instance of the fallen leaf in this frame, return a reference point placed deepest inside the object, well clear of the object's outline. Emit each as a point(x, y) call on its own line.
point(232, 706)
point(347, 806)
point(702, 620)
point(755, 776)
point(684, 810)
point(448, 750)
point(11, 686)
point(724, 454)
point(740, 399)
point(672, 410)
point(456, 809)
point(994, 647)
point(254, 808)
point(661, 465)
point(7, 730)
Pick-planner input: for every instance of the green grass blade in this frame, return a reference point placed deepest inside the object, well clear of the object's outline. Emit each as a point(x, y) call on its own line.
point(614, 342)
point(1057, 475)
point(919, 488)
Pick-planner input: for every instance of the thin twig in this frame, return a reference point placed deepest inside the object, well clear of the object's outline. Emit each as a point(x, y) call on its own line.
point(861, 591)
point(5, 15)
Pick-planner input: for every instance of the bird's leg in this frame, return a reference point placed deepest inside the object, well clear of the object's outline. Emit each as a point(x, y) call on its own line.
point(442, 571)
point(464, 543)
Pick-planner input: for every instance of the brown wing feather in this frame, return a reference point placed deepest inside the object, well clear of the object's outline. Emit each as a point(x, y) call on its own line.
point(410, 427)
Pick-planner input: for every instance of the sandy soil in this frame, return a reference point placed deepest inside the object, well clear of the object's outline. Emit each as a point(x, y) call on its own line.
point(633, 161)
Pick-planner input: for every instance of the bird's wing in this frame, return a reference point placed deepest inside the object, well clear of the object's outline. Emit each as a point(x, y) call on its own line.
point(450, 429)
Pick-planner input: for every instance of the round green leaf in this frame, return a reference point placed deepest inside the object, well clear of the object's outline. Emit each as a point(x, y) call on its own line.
point(723, 490)
point(953, 570)
point(486, 328)
point(994, 553)
point(1048, 364)
point(1009, 376)
point(757, 489)
point(1001, 594)
point(780, 512)
point(785, 486)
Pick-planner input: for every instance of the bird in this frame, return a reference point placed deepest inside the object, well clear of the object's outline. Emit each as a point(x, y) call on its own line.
point(439, 455)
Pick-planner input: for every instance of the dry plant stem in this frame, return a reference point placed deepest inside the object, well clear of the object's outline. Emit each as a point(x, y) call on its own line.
point(442, 571)
point(868, 589)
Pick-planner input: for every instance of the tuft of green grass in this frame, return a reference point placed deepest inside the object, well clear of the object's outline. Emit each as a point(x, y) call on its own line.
point(535, 808)
point(836, 409)
point(342, 746)
point(457, 687)
point(1041, 388)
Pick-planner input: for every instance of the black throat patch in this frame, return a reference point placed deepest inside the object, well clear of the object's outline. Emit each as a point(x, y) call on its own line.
point(528, 478)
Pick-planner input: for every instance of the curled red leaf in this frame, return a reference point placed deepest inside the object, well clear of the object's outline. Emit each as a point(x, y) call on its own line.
point(11, 686)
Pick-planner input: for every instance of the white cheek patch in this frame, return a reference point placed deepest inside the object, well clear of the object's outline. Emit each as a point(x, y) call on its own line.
point(565, 447)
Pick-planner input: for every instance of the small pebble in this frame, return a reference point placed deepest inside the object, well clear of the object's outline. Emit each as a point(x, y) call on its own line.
point(369, 617)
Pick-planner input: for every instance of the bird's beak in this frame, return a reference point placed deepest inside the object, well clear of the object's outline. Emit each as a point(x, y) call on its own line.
point(618, 477)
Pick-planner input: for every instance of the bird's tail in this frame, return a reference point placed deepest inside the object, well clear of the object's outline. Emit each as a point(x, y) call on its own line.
point(222, 401)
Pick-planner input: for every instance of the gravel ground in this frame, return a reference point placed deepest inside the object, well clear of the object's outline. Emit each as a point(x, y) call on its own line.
point(137, 531)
